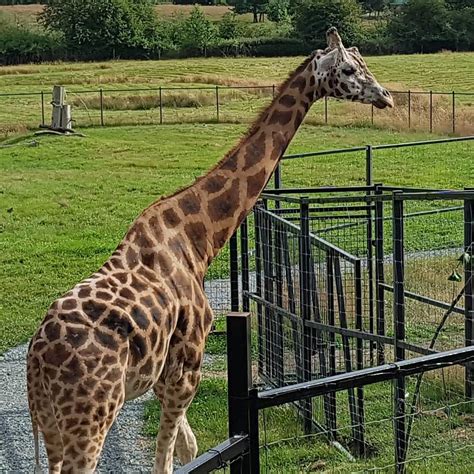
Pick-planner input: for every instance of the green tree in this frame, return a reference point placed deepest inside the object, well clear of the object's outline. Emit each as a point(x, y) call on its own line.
point(106, 27)
point(422, 26)
point(229, 26)
point(278, 10)
point(199, 31)
point(312, 19)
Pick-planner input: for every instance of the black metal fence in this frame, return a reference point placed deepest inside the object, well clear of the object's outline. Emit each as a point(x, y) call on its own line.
point(348, 286)
point(422, 110)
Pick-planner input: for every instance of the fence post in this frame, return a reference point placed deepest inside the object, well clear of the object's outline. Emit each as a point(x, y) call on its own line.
point(161, 105)
point(42, 109)
point(101, 97)
point(244, 259)
point(258, 285)
point(234, 273)
point(454, 111)
point(399, 329)
point(305, 306)
point(239, 379)
point(469, 290)
point(325, 109)
point(277, 176)
point(379, 274)
point(369, 166)
point(217, 104)
point(409, 109)
point(431, 111)
point(369, 181)
point(273, 90)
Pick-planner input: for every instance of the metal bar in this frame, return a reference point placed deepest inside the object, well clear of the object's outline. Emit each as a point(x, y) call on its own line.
point(101, 99)
point(258, 285)
point(370, 375)
point(319, 189)
point(234, 273)
point(161, 106)
point(42, 109)
point(425, 299)
point(353, 407)
point(254, 433)
point(469, 291)
point(239, 379)
point(278, 275)
point(332, 335)
point(379, 276)
point(305, 305)
point(399, 332)
point(268, 294)
point(217, 104)
point(224, 452)
point(370, 251)
point(277, 176)
point(244, 261)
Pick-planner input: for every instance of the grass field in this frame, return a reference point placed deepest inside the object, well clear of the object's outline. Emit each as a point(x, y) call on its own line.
point(66, 202)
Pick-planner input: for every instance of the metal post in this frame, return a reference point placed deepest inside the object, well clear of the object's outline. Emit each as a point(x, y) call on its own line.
point(273, 90)
point(217, 104)
point(239, 379)
point(258, 285)
point(254, 444)
point(469, 290)
point(379, 274)
point(409, 109)
point(399, 330)
point(42, 109)
point(369, 181)
point(277, 177)
point(101, 97)
point(454, 111)
point(234, 273)
point(431, 111)
point(161, 106)
point(244, 258)
point(305, 305)
point(325, 110)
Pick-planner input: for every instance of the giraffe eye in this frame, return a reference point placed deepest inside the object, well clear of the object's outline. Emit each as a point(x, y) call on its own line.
point(349, 71)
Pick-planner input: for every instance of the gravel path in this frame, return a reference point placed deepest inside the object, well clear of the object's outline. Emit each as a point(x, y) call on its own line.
point(126, 449)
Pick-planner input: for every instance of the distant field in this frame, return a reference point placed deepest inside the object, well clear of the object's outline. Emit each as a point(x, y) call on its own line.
point(28, 13)
point(415, 72)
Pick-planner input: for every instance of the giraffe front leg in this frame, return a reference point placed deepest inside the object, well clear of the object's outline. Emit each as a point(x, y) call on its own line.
point(175, 398)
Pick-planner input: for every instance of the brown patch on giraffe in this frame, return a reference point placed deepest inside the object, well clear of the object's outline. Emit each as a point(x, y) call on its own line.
point(256, 183)
point(279, 146)
point(189, 204)
point(153, 337)
point(170, 218)
point(214, 183)
point(322, 91)
point(182, 323)
point(225, 205)
point(84, 292)
point(139, 316)
point(230, 163)
point(104, 295)
point(299, 83)
point(72, 371)
point(106, 340)
point(76, 337)
point(254, 151)
point(146, 367)
point(137, 348)
point(197, 235)
point(344, 87)
point(56, 354)
point(220, 238)
point(298, 118)
point(118, 324)
point(310, 95)
point(141, 238)
point(52, 331)
point(138, 284)
point(69, 304)
point(131, 257)
point(283, 117)
point(116, 263)
point(155, 226)
point(287, 100)
point(165, 264)
point(93, 309)
point(114, 374)
point(312, 81)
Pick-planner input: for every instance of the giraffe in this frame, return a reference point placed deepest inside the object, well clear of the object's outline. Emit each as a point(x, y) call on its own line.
point(140, 322)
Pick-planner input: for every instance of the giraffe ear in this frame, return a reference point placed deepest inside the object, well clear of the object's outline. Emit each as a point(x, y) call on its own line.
point(333, 39)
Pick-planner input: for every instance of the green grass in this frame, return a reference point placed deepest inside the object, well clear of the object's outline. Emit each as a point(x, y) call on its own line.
point(66, 203)
point(287, 450)
point(441, 72)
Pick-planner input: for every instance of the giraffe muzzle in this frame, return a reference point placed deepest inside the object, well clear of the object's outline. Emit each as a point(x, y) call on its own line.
point(384, 100)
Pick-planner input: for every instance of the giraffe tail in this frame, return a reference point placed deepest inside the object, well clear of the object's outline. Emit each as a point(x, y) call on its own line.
point(34, 424)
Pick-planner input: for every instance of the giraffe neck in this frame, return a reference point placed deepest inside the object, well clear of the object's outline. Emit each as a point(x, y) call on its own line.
point(196, 222)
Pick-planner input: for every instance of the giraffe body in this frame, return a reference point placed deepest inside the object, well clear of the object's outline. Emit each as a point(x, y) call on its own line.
point(141, 321)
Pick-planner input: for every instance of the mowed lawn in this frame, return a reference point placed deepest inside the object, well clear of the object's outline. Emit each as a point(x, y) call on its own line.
point(66, 202)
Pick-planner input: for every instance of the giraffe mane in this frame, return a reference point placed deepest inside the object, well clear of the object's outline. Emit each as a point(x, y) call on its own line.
point(249, 132)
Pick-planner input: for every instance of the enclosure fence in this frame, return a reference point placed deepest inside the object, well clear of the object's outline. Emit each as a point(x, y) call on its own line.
point(423, 110)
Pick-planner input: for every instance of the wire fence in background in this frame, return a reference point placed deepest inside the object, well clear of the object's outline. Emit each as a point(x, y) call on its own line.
point(433, 111)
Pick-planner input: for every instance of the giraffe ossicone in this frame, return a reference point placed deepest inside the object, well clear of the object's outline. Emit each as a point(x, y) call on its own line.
point(142, 319)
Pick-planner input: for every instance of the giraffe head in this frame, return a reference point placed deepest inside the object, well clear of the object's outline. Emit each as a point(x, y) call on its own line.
point(343, 74)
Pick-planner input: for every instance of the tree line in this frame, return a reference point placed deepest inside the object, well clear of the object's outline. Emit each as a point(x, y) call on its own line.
point(103, 29)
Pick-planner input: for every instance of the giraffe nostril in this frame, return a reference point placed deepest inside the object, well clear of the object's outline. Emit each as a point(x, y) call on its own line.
point(385, 93)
